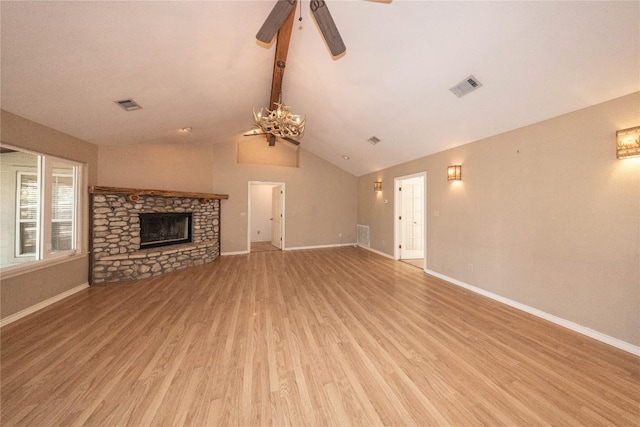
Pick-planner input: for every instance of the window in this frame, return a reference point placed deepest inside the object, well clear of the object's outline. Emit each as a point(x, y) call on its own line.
point(27, 223)
point(63, 192)
point(39, 209)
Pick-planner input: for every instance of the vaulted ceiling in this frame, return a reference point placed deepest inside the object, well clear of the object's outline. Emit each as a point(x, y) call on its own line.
point(198, 65)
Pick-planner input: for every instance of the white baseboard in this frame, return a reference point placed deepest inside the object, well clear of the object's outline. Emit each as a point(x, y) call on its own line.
point(19, 315)
point(301, 248)
point(615, 342)
point(377, 252)
point(234, 253)
point(296, 248)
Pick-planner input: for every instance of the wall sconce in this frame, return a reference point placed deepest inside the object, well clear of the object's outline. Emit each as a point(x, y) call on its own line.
point(454, 173)
point(628, 143)
point(377, 186)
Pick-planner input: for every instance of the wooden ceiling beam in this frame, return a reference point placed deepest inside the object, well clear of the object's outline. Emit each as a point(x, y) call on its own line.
point(282, 49)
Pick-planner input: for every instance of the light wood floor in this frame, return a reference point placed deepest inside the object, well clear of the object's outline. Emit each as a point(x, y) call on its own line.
point(418, 262)
point(319, 337)
point(262, 246)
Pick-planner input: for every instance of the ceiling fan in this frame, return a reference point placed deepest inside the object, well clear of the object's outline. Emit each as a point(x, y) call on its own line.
point(280, 22)
point(271, 138)
point(320, 12)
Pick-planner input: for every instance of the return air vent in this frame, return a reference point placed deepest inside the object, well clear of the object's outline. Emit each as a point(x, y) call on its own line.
point(464, 87)
point(129, 104)
point(362, 235)
point(374, 140)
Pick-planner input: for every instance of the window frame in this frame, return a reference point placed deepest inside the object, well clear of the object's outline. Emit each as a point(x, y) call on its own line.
point(74, 217)
point(47, 181)
point(44, 254)
point(19, 220)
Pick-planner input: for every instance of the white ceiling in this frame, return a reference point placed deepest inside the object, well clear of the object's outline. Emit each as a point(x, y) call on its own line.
point(198, 64)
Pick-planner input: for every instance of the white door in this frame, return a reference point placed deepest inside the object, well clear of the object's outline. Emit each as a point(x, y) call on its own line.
point(276, 216)
point(411, 215)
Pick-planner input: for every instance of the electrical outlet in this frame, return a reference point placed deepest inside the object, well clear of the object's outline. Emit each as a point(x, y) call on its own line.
point(471, 268)
point(258, 231)
point(339, 235)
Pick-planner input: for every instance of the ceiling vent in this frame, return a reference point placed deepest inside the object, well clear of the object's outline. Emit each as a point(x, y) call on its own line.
point(129, 104)
point(374, 140)
point(464, 87)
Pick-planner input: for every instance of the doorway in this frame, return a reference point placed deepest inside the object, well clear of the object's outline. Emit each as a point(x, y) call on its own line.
point(265, 225)
point(411, 219)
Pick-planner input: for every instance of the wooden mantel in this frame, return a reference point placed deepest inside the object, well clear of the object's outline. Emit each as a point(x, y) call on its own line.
point(135, 193)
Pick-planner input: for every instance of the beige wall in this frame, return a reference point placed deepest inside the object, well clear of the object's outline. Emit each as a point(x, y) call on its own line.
point(320, 203)
point(21, 291)
point(320, 199)
point(546, 214)
point(255, 150)
point(180, 167)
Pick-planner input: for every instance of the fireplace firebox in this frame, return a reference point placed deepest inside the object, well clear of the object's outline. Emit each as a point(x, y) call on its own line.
point(163, 229)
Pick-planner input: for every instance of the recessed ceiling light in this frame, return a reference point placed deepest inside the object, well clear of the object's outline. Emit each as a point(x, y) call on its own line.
point(346, 157)
point(374, 140)
point(184, 130)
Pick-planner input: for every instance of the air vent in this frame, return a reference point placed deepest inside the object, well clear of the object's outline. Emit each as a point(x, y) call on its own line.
point(128, 104)
point(363, 236)
point(374, 140)
point(464, 87)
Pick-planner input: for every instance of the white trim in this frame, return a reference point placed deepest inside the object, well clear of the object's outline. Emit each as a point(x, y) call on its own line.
point(298, 248)
point(377, 252)
point(19, 221)
point(615, 342)
point(234, 253)
point(282, 211)
point(43, 221)
point(397, 207)
point(302, 248)
point(39, 306)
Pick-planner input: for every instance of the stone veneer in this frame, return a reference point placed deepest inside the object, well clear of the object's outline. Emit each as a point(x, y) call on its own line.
point(115, 244)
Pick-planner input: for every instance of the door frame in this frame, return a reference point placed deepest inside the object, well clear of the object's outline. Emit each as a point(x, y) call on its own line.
point(282, 205)
point(397, 237)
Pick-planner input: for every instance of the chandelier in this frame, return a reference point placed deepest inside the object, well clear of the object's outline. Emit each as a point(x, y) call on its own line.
point(279, 121)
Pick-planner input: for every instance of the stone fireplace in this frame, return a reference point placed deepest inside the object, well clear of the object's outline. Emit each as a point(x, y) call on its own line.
point(138, 233)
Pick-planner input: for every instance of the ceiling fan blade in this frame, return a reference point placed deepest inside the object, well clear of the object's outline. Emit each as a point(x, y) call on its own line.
point(293, 141)
point(253, 132)
point(327, 27)
point(275, 20)
point(270, 137)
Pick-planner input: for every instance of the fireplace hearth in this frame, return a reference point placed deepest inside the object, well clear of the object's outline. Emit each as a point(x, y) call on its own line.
point(164, 229)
